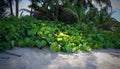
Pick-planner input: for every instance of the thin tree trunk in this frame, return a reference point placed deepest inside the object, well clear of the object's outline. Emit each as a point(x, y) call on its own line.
point(10, 4)
point(31, 12)
point(57, 9)
point(17, 7)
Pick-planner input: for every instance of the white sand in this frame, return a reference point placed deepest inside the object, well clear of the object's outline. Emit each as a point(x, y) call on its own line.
point(33, 58)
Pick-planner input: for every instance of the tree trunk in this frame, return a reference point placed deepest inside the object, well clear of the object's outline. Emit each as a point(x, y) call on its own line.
point(56, 13)
point(17, 7)
point(31, 11)
point(10, 4)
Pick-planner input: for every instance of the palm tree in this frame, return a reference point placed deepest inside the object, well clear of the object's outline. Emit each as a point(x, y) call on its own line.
point(78, 7)
point(107, 2)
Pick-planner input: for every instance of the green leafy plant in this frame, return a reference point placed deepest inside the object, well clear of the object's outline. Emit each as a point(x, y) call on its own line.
point(41, 44)
point(54, 47)
point(28, 32)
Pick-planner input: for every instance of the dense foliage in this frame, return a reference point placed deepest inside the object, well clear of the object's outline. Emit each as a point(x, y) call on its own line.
point(3, 6)
point(29, 32)
point(69, 11)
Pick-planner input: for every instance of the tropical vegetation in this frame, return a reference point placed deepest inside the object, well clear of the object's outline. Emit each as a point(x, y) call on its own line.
point(61, 25)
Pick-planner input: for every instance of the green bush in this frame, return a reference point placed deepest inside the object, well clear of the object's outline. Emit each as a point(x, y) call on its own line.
point(28, 32)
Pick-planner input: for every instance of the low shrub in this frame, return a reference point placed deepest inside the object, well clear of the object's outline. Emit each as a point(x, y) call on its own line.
point(29, 32)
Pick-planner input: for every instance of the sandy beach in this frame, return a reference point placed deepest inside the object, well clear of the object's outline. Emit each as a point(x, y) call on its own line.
point(33, 58)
